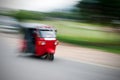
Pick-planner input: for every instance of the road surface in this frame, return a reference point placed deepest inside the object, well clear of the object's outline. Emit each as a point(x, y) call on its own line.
point(23, 67)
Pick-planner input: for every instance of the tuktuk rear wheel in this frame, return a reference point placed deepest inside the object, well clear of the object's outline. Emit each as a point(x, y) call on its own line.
point(51, 57)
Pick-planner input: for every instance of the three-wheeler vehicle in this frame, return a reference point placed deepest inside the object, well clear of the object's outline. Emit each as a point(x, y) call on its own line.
point(39, 39)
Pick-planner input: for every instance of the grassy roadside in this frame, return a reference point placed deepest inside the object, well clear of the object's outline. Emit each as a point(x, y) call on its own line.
point(87, 35)
point(103, 47)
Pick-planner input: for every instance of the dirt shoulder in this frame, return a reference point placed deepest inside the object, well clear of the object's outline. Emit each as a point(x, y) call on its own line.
point(88, 55)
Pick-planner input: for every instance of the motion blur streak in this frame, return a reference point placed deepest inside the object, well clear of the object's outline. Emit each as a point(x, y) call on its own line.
point(88, 32)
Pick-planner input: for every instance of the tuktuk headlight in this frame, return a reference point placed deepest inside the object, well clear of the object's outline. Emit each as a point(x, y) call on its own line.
point(56, 43)
point(41, 43)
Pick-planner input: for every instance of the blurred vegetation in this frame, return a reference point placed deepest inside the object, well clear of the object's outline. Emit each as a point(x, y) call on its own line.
point(100, 11)
point(65, 15)
point(35, 15)
point(22, 14)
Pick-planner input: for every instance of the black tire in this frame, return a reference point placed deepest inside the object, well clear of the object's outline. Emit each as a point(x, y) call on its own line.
point(51, 57)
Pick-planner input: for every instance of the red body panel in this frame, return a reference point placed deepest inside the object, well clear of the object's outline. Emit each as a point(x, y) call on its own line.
point(48, 48)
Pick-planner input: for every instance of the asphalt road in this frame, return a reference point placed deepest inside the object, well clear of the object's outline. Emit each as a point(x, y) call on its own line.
point(14, 66)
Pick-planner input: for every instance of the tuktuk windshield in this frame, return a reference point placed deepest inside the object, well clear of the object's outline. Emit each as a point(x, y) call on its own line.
point(47, 33)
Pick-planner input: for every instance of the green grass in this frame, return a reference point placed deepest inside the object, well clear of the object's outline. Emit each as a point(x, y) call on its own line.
point(87, 35)
point(103, 47)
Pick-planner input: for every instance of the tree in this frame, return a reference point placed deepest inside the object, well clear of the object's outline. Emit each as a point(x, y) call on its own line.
point(103, 11)
point(24, 14)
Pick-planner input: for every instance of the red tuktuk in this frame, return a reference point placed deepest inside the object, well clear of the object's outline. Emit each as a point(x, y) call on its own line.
point(39, 39)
